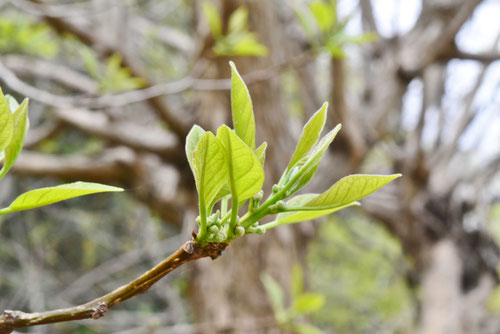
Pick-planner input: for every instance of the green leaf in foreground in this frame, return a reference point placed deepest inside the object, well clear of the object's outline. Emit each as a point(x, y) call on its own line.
point(352, 188)
point(210, 168)
point(20, 119)
point(45, 196)
point(307, 213)
point(11, 102)
point(310, 135)
point(192, 140)
point(246, 175)
point(242, 109)
point(260, 152)
point(6, 122)
point(310, 166)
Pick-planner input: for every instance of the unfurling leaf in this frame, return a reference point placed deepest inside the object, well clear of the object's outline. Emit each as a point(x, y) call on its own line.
point(242, 109)
point(260, 152)
point(12, 150)
point(192, 140)
point(310, 135)
point(209, 167)
point(6, 122)
point(246, 175)
point(312, 163)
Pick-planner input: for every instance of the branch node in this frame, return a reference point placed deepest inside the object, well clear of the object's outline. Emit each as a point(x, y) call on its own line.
point(10, 315)
point(99, 311)
point(189, 247)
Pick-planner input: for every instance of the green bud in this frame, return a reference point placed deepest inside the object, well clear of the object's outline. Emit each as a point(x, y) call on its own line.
point(258, 196)
point(198, 220)
point(260, 230)
point(211, 236)
point(239, 231)
point(220, 237)
point(214, 217)
point(280, 205)
point(277, 188)
point(213, 229)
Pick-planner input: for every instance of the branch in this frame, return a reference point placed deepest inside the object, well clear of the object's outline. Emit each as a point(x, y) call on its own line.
point(63, 27)
point(140, 95)
point(96, 308)
point(485, 58)
point(34, 67)
point(168, 35)
point(124, 133)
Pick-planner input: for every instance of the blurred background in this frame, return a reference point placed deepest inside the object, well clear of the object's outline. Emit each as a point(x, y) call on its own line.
point(114, 87)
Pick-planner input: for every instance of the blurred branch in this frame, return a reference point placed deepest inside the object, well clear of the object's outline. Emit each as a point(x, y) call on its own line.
point(485, 58)
point(42, 132)
point(41, 68)
point(96, 308)
point(140, 95)
point(168, 35)
point(163, 111)
point(368, 16)
point(114, 265)
point(122, 132)
point(111, 166)
point(51, 10)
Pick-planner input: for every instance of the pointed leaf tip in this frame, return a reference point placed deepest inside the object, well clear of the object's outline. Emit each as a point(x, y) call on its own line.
point(242, 108)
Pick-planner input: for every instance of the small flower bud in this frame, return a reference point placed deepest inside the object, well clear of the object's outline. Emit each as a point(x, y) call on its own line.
point(280, 205)
point(260, 230)
point(220, 237)
point(198, 220)
point(239, 231)
point(277, 188)
point(213, 229)
point(258, 196)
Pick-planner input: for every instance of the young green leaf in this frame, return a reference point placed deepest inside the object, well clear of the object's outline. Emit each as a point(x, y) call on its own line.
point(212, 16)
point(260, 152)
point(238, 20)
point(246, 175)
point(21, 124)
point(6, 122)
point(210, 168)
point(192, 140)
point(242, 109)
point(310, 135)
point(307, 303)
point(12, 102)
point(45, 196)
point(352, 188)
point(302, 211)
point(307, 171)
